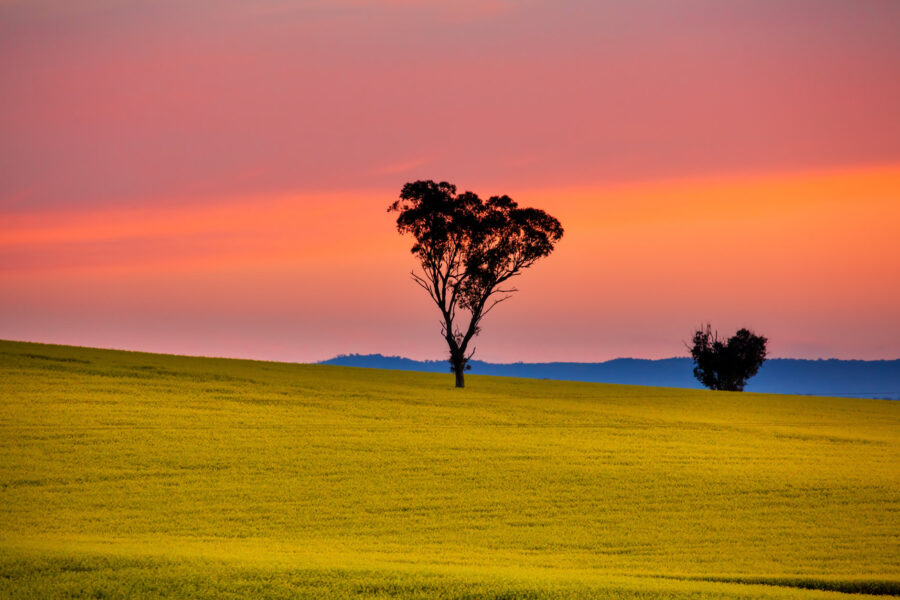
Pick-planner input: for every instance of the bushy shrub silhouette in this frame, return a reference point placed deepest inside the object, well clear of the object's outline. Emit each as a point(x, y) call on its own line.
point(721, 365)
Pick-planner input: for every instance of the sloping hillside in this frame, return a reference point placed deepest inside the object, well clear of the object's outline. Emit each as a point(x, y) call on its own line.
point(128, 474)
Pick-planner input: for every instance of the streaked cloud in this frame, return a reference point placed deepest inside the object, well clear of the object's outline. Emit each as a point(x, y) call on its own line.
point(806, 256)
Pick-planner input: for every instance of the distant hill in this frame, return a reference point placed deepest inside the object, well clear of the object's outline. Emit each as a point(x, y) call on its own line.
point(832, 377)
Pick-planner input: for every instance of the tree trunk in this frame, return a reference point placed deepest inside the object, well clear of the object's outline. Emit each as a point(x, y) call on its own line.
point(459, 369)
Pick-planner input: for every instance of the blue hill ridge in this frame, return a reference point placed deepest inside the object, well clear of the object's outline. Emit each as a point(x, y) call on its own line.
point(823, 377)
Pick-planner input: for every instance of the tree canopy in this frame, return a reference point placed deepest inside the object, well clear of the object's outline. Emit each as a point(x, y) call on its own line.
point(468, 250)
point(721, 365)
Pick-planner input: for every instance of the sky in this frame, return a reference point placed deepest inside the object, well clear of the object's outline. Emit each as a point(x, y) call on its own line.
point(212, 178)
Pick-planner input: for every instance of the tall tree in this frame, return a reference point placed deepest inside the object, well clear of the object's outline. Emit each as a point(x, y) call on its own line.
point(468, 250)
point(721, 365)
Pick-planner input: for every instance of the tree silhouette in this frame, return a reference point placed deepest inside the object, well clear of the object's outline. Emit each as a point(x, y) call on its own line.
point(468, 250)
point(721, 365)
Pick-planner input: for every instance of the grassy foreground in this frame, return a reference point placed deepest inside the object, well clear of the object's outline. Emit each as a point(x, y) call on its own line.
point(138, 475)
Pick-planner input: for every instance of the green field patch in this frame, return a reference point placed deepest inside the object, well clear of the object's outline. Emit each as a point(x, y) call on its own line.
point(41, 357)
point(871, 587)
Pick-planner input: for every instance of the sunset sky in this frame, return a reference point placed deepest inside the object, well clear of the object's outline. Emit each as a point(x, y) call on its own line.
point(212, 177)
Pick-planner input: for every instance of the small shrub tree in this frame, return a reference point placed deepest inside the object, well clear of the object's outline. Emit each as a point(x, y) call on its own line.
point(721, 365)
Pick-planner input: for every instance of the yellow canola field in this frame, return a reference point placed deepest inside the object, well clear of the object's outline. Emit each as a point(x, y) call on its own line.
point(137, 475)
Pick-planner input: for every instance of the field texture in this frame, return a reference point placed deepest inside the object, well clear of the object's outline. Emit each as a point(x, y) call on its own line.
point(138, 475)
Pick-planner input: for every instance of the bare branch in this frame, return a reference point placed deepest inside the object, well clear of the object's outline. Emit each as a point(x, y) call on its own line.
point(495, 303)
point(509, 291)
point(424, 284)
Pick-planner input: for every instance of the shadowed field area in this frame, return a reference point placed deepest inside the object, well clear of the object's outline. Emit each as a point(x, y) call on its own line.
point(128, 474)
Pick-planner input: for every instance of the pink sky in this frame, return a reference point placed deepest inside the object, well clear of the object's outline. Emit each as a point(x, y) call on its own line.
point(212, 177)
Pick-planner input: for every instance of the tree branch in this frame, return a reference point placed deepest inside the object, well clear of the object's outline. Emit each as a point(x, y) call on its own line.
point(496, 302)
point(424, 284)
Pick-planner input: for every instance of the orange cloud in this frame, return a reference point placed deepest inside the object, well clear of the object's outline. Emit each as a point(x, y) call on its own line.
point(811, 258)
point(235, 231)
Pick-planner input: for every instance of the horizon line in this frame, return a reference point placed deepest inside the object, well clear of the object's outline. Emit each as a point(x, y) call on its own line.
point(438, 360)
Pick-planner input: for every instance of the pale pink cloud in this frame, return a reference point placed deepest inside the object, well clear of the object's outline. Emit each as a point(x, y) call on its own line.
point(401, 167)
point(134, 102)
